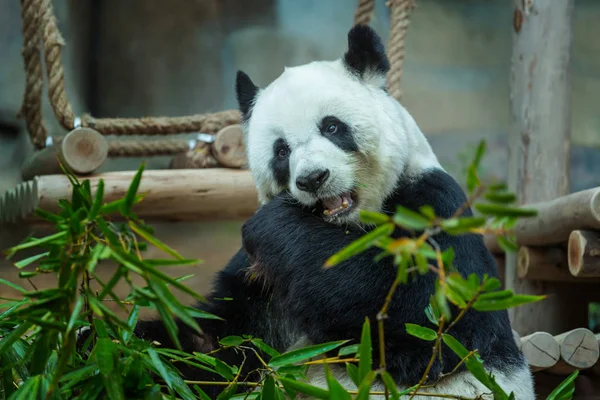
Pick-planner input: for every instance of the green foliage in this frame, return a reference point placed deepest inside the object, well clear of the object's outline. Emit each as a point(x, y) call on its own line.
point(39, 359)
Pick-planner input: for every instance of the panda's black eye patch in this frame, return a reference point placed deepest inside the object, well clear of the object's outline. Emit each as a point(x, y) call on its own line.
point(338, 133)
point(280, 162)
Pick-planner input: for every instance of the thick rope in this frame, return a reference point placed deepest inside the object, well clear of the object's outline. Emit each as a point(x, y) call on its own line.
point(205, 123)
point(53, 41)
point(31, 108)
point(152, 147)
point(399, 21)
point(364, 11)
point(36, 13)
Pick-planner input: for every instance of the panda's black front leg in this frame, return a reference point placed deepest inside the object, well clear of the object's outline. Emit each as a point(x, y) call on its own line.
point(289, 245)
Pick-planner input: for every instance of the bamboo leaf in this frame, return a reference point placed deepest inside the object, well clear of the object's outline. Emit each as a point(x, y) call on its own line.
point(370, 217)
point(346, 350)
point(98, 199)
point(365, 386)
point(31, 260)
point(298, 355)
point(506, 244)
point(154, 241)
point(265, 347)
point(360, 245)
point(500, 197)
point(336, 390)
point(566, 389)
point(410, 219)
point(36, 243)
point(291, 384)
point(495, 304)
point(132, 191)
point(390, 384)
point(504, 211)
point(365, 363)
point(231, 341)
point(421, 332)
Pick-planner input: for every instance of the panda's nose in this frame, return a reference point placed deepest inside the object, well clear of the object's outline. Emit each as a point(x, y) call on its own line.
point(313, 181)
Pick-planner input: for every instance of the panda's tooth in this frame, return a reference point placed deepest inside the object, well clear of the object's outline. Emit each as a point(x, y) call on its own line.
point(326, 212)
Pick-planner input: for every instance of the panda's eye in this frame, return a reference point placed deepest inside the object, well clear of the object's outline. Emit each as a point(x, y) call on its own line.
point(331, 128)
point(283, 152)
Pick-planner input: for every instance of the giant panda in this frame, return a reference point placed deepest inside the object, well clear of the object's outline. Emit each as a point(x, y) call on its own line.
point(324, 141)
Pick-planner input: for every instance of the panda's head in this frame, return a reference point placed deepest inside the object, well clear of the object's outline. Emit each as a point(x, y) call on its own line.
point(329, 132)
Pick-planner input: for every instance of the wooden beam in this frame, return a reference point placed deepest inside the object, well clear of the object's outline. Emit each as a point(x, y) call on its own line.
point(171, 195)
point(540, 103)
point(556, 219)
point(584, 254)
point(83, 150)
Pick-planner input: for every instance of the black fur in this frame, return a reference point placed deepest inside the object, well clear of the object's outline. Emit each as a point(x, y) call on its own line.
point(366, 53)
point(280, 165)
point(246, 92)
point(287, 246)
point(342, 138)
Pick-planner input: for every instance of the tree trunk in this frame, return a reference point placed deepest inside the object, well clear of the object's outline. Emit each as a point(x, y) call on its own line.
point(540, 103)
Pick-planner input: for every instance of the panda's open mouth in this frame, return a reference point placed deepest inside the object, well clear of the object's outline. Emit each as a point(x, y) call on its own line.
point(338, 205)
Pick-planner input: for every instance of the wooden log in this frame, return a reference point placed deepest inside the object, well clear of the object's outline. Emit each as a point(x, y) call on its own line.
point(595, 370)
point(578, 350)
point(541, 350)
point(539, 146)
point(229, 148)
point(555, 221)
point(546, 264)
point(171, 195)
point(584, 254)
point(83, 150)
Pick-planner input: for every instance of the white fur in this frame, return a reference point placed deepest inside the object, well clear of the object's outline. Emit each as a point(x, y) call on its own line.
point(390, 142)
point(518, 381)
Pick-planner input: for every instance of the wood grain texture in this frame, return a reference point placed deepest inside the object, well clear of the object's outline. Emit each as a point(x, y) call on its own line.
point(540, 104)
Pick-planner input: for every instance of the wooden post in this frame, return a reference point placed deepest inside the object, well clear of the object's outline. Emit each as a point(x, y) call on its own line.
point(229, 148)
point(83, 150)
point(539, 139)
point(584, 254)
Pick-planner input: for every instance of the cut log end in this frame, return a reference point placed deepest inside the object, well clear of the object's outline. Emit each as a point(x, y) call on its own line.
point(579, 348)
point(584, 254)
point(541, 350)
point(229, 148)
point(84, 150)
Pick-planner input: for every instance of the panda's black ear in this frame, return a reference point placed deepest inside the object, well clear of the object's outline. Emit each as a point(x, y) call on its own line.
point(246, 92)
point(366, 56)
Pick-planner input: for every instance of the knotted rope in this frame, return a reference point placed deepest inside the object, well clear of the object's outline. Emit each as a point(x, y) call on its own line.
point(31, 108)
point(399, 21)
point(39, 25)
